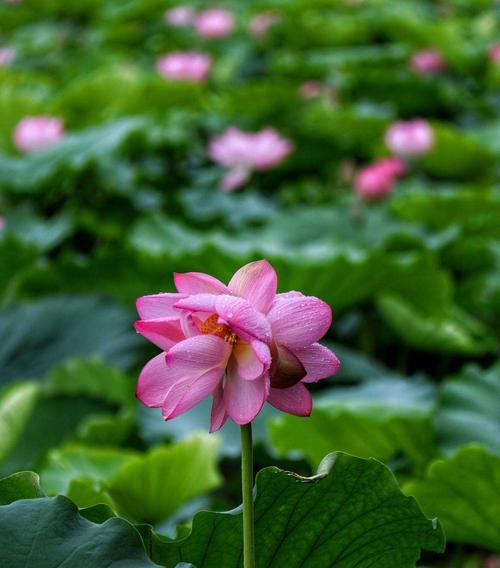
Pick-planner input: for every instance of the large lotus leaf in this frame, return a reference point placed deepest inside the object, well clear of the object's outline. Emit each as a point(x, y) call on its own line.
point(21, 485)
point(49, 532)
point(474, 209)
point(378, 419)
point(16, 406)
point(455, 331)
point(469, 410)
point(334, 264)
point(146, 487)
point(93, 379)
point(38, 335)
point(70, 463)
point(456, 156)
point(52, 421)
point(351, 514)
point(463, 491)
point(154, 486)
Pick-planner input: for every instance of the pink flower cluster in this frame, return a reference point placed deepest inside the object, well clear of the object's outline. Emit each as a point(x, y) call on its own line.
point(243, 152)
point(35, 132)
point(376, 181)
point(410, 138)
point(243, 343)
point(427, 62)
point(214, 23)
point(190, 66)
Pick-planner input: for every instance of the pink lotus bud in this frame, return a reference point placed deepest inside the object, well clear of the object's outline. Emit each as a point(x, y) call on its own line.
point(310, 89)
point(246, 151)
point(213, 24)
point(180, 16)
point(260, 23)
point(35, 132)
point(410, 138)
point(427, 62)
point(494, 53)
point(7, 56)
point(189, 66)
point(376, 181)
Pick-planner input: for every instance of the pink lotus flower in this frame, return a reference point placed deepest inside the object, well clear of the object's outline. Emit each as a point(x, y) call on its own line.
point(189, 66)
point(427, 62)
point(410, 138)
point(7, 56)
point(35, 132)
point(244, 152)
point(213, 24)
point(376, 181)
point(243, 343)
point(180, 16)
point(2, 223)
point(310, 89)
point(260, 23)
point(494, 53)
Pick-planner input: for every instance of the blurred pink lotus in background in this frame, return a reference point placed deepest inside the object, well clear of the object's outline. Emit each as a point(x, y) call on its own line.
point(180, 16)
point(7, 56)
point(2, 223)
point(410, 138)
point(35, 132)
point(310, 89)
point(244, 152)
point(215, 23)
point(376, 180)
point(494, 53)
point(189, 66)
point(427, 62)
point(243, 343)
point(260, 23)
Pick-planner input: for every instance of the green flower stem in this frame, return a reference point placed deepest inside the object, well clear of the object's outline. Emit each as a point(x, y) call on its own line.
point(247, 492)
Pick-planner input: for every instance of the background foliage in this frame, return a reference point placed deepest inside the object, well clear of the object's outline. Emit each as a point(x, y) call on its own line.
point(130, 195)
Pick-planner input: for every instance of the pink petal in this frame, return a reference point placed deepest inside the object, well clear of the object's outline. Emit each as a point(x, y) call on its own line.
point(257, 283)
point(298, 321)
point(287, 369)
point(158, 306)
point(185, 394)
point(253, 359)
point(195, 356)
point(155, 381)
point(198, 283)
point(295, 400)
point(244, 399)
point(238, 313)
point(219, 415)
point(164, 333)
point(243, 318)
point(198, 303)
point(319, 362)
point(234, 178)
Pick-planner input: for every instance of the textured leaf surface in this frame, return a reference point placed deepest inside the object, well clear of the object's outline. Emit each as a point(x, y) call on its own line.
point(22, 485)
point(352, 514)
point(16, 405)
point(470, 410)
point(49, 532)
point(378, 420)
point(34, 337)
point(463, 491)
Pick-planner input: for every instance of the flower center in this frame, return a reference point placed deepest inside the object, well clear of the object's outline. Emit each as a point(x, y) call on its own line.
point(211, 326)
